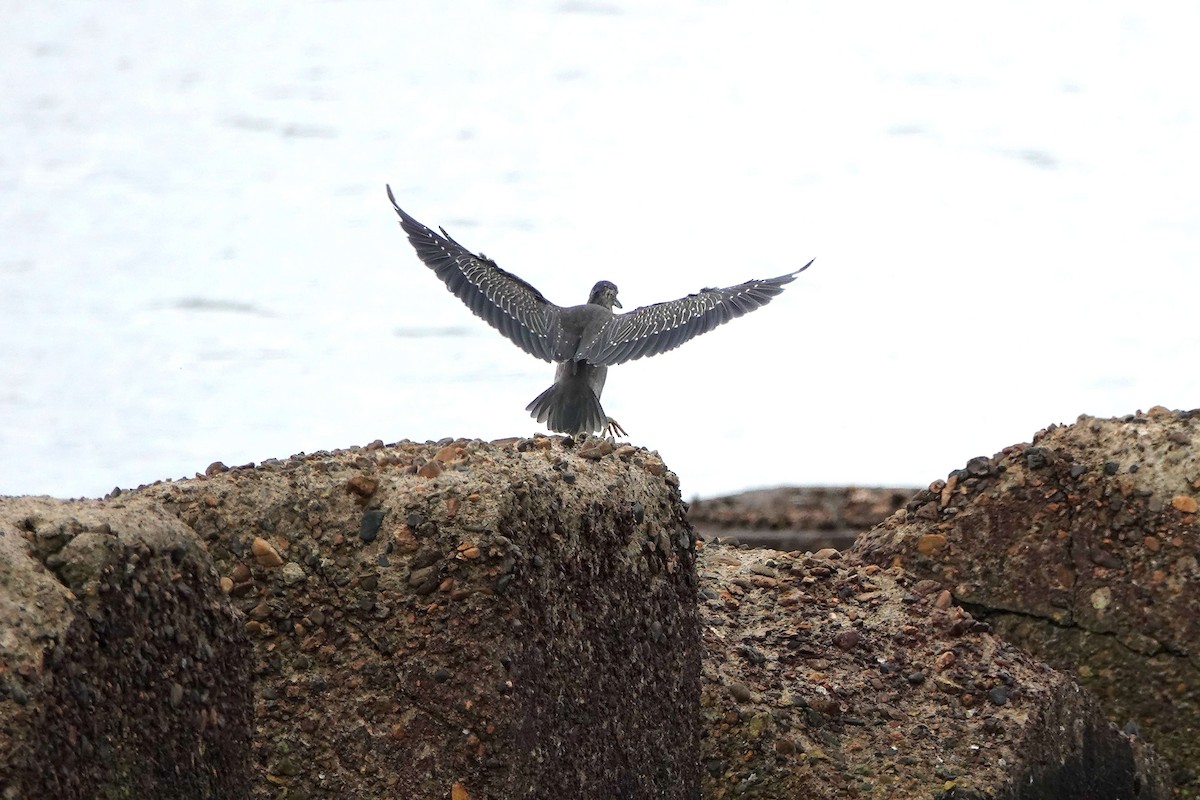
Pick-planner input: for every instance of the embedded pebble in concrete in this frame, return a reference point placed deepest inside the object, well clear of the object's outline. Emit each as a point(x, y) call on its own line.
point(371, 522)
point(292, 573)
point(265, 553)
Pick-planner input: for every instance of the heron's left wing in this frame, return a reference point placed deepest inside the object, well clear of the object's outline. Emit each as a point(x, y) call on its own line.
point(504, 301)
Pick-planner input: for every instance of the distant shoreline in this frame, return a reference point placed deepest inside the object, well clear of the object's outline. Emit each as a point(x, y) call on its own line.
point(806, 518)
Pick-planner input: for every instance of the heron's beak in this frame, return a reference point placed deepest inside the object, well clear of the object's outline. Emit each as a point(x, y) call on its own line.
point(617, 303)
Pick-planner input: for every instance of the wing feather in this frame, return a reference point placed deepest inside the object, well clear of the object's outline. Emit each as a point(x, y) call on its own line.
point(654, 329)
point(499, 298)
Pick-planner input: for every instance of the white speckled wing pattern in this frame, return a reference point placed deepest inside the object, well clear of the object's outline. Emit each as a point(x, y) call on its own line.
point(504, 301)
point(654, 329)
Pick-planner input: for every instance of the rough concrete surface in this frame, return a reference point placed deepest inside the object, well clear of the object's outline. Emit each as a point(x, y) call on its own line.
point(123, 671)
point(521, 619)
point(1083, 547)
point(467, 620)
point(824, 678)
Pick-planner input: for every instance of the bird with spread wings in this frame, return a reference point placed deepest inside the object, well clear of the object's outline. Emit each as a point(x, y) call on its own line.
point(584, 340)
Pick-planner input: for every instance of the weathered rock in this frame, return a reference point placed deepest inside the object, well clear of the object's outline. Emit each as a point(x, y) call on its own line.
point(1082, 547)
point(842, 680)
point(502, 631)
point(123, 669)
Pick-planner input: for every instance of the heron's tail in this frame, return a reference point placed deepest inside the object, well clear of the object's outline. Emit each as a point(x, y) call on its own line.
point(569, 406)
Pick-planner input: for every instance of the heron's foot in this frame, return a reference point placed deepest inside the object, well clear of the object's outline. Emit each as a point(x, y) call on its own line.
point(612, 428)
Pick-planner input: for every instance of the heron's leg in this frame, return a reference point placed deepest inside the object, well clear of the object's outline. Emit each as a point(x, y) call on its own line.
point(613, 428)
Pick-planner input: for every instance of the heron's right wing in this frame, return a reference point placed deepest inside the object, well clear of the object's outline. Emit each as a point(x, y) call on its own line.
point(504, 301)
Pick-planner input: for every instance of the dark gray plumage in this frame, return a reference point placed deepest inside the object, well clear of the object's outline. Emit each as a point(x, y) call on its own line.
point(586, 339)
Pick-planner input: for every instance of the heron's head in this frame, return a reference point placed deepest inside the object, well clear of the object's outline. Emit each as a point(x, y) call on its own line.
point(604, 294)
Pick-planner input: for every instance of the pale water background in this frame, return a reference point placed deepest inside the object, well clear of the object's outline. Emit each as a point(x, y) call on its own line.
point(198, 261)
